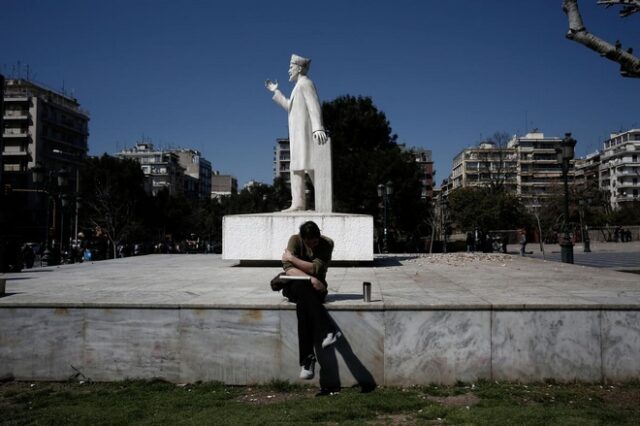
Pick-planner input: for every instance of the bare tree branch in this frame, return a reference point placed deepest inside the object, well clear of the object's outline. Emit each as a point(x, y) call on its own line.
point(629, 64)
point(112, 216)
point(629, 6)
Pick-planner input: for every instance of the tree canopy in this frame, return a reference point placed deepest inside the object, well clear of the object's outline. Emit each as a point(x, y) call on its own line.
point(113, 196)
point(366, 154)
point(487, 210)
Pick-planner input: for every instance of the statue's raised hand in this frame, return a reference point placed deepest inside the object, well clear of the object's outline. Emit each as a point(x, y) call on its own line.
point(272, 86)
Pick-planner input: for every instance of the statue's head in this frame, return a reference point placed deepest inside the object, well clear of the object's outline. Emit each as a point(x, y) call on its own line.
point(298, 66)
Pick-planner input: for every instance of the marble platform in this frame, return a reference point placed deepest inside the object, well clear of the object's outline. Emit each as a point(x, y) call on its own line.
point(263, 237)
point(433, 319)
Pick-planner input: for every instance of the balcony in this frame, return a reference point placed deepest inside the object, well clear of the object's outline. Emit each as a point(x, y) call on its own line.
point(69, 125)
point(16, 115)
point(628, 184)
point(16, 151)
point(627, 199)
point(16, 98)
point(10, 133)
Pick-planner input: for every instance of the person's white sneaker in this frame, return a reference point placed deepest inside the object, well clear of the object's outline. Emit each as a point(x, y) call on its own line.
point(331, 339)
point(307, 368)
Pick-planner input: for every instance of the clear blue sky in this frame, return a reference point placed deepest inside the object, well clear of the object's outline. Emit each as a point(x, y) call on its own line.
point(446, 73)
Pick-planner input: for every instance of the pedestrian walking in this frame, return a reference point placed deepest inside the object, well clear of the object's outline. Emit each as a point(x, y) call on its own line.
point(522, 239)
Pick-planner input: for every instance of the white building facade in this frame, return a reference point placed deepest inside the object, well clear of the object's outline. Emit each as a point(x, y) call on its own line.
point(282, 159)
point(539, 173)
point(620, 167)
point(198, 172)
point(162, 169)
point(484, 165)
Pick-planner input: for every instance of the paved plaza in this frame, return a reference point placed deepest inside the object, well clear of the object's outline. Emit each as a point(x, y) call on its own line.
point(455, 280)
point(617, 256)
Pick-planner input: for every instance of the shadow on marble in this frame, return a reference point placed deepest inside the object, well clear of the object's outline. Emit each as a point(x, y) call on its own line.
point(386, 262)
point(330, 372)
point(9, 294)
point(344, 296)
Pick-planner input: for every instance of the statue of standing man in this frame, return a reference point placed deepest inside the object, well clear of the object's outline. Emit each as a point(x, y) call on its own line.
point(310, 147)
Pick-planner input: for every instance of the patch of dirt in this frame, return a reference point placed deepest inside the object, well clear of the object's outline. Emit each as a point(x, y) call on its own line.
point(457, 259)
point(620, 397)
point(261, 397)
point(394, 420)
point(466, 400)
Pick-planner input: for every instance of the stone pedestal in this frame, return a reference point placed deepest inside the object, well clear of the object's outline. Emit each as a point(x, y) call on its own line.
point(264, 236)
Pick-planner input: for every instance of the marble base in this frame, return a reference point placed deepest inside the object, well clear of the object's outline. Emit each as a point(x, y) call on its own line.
point(435, 319)
point(248, 346)
point(262, 237)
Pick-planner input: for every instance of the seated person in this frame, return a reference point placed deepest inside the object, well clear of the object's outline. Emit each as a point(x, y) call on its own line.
point(308, 255)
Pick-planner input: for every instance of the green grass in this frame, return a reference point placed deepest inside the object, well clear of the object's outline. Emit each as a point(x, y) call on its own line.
point(158, 403)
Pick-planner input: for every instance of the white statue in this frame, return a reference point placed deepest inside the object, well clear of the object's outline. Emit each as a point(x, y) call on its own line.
point(310, 146)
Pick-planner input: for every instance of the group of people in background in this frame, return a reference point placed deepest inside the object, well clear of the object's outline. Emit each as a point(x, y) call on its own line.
point(622, 235)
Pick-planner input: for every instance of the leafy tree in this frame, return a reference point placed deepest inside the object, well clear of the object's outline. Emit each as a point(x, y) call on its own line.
point(365, 154)
point(487, 210)
point(628, 214)
point(172, 215)
point(113, 195)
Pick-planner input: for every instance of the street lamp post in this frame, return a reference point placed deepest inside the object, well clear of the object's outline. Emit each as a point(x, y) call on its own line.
point(41, 177)
point(444, 223)
point(384, 192)
point(565, 154)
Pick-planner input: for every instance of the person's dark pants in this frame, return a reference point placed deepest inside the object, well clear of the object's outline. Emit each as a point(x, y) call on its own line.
point(313, 319)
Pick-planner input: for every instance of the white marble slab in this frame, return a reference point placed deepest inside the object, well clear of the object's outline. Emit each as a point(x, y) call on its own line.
point(131, 343)
point(265, 236)
point(40, 344)
point(232, 346)
point(436, 347)
point(621, 345)
point(356, 359)
point(536, 345)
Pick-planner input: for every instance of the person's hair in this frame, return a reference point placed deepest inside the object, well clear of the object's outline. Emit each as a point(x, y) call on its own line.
point(309, 230)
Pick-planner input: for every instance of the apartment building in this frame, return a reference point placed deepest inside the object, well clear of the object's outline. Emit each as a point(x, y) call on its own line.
point(528, 167)
point(620, 167)
point(485, 165)
point(161, 168)
point(587, 171)
point(281, 159)
point(41, 125)
point(46, 128)
point(223, 185)
point(424, 161)
point(539, 173)
point(197, 174)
